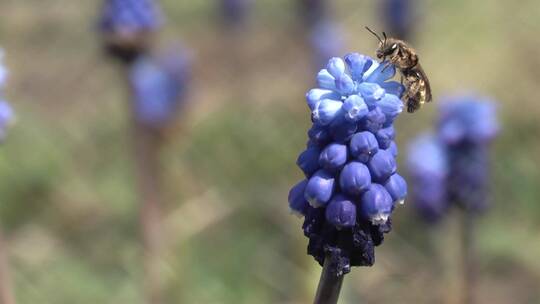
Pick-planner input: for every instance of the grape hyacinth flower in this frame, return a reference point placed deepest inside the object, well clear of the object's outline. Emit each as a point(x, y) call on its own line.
point(452, 166)
point(467, 125)
point(428, 171)
point(127, 26)
point(7, 116)
point(160, 84)
point(351, 186)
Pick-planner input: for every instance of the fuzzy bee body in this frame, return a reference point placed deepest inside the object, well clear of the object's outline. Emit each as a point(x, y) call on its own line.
point(405, 59)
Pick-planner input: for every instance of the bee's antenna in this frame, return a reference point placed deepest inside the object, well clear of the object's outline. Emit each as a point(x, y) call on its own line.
point(375, 34)
point(384, 35)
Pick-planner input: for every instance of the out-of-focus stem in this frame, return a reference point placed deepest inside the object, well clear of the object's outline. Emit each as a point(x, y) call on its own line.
point(146, 146)
point(146, 153)
point(468, 256)
point(6, 290)
point(329, 285)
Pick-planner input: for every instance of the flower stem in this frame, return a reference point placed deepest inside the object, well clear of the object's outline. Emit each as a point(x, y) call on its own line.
point(329, 284)
point(146, 147)
point(468, 256)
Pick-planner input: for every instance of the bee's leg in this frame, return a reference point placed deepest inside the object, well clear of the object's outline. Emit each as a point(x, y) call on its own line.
point(401, 79)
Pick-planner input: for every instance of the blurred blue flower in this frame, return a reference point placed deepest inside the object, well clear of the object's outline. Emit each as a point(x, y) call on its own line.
point(467, 118)
point(7, 117)
point(130, 16)
point(3, 71)
point(452, 166)
point(350, 161)
point(160, 86)
point(427, 164)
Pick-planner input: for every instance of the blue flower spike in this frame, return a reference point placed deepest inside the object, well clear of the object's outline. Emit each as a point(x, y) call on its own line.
point(352, 186)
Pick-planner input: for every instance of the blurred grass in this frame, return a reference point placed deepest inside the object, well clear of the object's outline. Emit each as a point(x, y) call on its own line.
point(67, 196)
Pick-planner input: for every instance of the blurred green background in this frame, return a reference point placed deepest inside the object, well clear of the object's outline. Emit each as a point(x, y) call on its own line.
point(68, 200)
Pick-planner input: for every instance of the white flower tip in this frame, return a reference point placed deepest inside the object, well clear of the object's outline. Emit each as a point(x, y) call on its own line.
point(295, 213)
point(379, 218)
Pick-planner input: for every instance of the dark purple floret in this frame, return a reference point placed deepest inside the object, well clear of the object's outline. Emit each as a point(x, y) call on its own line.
point(341, 212)
point(319, 135)
point(333, 157)
point(373, 121)
point(319, 188)
point(385, 137)
point(396, 187)
point(363, 146)
point(297, 202)
point(354, 179)
point(308, 160)
point(382, 165)
point(342, 130)
point(393, 149)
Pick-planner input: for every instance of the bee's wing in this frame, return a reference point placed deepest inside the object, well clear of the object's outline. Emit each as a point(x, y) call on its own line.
point(424, 77)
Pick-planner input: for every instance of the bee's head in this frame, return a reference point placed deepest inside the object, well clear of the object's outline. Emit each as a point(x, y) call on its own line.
point(386, 46)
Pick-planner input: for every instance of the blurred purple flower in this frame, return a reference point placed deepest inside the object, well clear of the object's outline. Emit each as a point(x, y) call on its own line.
point(7, 117)
point(427, 164)
point(452, 167)
point(130, 16)
point(467, 119)
point(160, 86)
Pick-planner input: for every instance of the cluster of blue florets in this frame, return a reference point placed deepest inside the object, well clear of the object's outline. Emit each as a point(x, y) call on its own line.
point(159, 85)
point(452, 166)
point(351, 185)
point(6, 112)
point(130, 16)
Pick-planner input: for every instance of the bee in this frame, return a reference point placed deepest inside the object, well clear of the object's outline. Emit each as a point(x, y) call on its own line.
point(405, 59)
